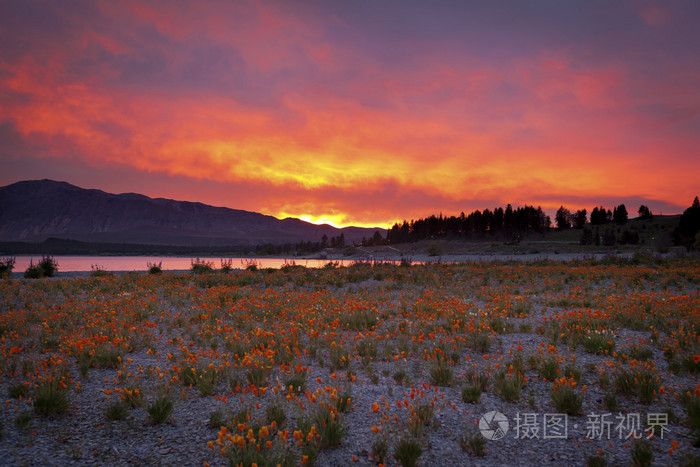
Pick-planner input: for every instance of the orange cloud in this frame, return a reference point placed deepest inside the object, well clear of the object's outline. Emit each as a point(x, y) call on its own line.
point(249, 95)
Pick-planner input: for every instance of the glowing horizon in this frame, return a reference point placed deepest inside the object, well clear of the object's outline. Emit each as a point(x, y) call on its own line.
point(350, 114)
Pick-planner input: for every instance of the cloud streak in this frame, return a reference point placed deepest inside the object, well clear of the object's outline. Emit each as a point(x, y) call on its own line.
point(356, 111)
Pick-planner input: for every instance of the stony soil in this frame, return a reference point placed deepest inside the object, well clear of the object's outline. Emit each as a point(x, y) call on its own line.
point(85, 436)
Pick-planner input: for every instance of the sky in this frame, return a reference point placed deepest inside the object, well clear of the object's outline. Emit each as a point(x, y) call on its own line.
point(362, 112)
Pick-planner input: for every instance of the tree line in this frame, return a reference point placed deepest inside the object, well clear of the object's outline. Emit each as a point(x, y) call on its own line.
point(509, 223)
point(565, 219)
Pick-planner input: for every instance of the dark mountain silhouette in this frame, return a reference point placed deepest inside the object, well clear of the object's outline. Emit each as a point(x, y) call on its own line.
point(32, 211)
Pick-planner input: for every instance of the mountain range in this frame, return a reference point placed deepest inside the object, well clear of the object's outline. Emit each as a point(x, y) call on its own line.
point(35, 210)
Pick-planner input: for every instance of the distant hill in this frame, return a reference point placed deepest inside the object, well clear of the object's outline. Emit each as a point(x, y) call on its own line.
point(33, 211)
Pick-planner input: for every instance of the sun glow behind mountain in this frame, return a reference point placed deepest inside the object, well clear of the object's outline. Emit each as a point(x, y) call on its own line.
point(354, 113)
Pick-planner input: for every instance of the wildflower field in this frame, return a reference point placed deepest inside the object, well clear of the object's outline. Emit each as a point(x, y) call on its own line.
point(364, 365)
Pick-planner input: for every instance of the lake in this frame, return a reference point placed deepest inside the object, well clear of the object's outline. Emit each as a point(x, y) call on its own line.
point(169, 263)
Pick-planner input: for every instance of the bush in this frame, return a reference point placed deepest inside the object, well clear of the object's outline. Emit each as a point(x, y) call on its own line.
point(117, 411)
point(154, 268)
point(33, 271)
point(549, 370)
point(18, 390)
point(380, 449)
point(691, 405)
point(160, 410)
point(473, 443)
point(275, 413)
point(340, 358)
point(478, 380)
point(642, 455)
point(297, 381)
point(441, 375)
point(434, 249)
point(50, 399)
point(97, 271)
point(330, 428)
point(566, 400)
point(599, 344)
point(257, 375)
point(471, 394)
point(226, 265)
point(200, 266)
point(399, 376)
point(23, 419)
point(48, 266)
point(508, 386)
point(407, 451)
point(6, 266)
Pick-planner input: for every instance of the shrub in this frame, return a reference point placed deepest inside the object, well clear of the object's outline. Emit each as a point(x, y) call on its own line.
point(50, 399)
point(610, 401)
point(23, 419)
point(441, 375)
point(359, 320)
point(549, 370)
point(343, 401)
point(367, 350)
point(216, 419)
point(6, 266)
point(131, 396)
point(200, 266)
point(204, 379)
point(471, 394)
point(473, 443)
point(642, 455)
point(691, 405)
point(595, 460)
point(599, 344)
point(479, 342)
point(48, 266)
point(434, 249)
point(106, 356)
point(407, 451)
point(154, 268)
point(97, 271)
point(257, 375)
point(399, 376)
point(275, 413)
point(226, 265)
point(245, 451)
point(380, 449)
point(647, 386)
point(424, 414)
point(160, 410)
point(478, 380)
point(340, 358)
point(18, 390)
point(639, 352)
point(566, 400)
point(117, 411)
point(330, 428)
point(326, 422)
point(572, 371)
point(297, 381)
point(508, 386)
point(33, 271)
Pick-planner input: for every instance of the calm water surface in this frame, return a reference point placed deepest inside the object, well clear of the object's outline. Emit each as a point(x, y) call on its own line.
point(140, 263)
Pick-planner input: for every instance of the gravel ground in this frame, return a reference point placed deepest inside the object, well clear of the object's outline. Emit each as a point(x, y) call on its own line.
point(86, 437)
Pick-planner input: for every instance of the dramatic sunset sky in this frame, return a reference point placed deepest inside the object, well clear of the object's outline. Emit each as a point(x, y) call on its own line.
point(359, 112)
